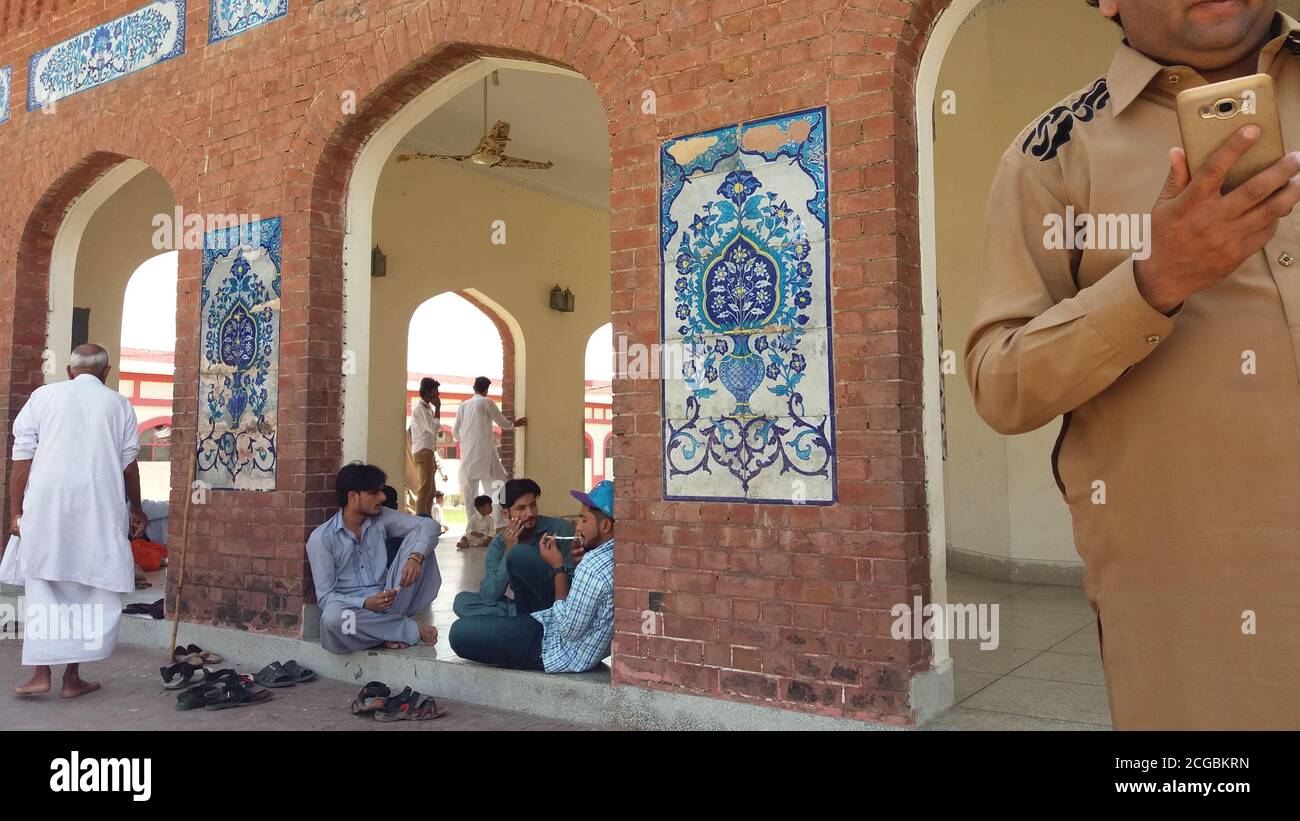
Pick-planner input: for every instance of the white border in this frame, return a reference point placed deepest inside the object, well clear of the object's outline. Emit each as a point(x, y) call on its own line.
point(927, 83)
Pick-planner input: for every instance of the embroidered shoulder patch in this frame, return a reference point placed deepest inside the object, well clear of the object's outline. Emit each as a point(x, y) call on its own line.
point(1053, 130)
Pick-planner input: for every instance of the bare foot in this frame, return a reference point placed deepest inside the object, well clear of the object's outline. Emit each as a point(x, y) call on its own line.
point(428, 634)
point(38, 685)
point(396, 645)
point(78, 687)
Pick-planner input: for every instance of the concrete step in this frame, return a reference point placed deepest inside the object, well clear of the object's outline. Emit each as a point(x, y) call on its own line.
point(588, 698)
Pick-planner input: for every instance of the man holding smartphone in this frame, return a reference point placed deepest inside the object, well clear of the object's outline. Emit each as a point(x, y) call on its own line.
point(1175, 365)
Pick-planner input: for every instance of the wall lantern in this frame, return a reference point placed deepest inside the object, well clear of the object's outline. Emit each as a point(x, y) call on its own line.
point(378, 263)
point(562, 300)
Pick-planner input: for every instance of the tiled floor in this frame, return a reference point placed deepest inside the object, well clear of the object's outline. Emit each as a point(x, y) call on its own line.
point(1045, 673)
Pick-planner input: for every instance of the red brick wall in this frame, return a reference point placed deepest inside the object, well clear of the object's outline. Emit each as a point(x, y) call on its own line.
point(767, 604)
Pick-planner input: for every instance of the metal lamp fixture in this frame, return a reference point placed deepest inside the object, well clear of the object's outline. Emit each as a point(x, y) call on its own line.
point(562, 300)
point(378, 263)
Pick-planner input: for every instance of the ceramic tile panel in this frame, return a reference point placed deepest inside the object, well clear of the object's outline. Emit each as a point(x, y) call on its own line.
point(147, 36)
point(6, 92)
point(748, 407)
point(226, 18)
point(239, 339)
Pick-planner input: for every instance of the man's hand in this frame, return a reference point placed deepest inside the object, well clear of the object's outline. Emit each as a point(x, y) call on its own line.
point(13, 524)
point(139, 521)
point(411, 571)
point(578, 550)
point(521, 422)
point(510, 536)
point(550, 551)
point(381, 601)
point(1200, 236)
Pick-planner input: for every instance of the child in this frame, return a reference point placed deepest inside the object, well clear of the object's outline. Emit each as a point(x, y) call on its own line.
point(436, 512)
point(478, 530)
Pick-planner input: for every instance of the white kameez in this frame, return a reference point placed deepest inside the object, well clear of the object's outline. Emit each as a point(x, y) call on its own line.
point(80, 436)
point(479, 461)
point(68, 623)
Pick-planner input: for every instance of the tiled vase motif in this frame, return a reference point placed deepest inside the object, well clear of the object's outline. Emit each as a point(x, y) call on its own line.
point(226, 18)
point(145, 37)
point(6, 92)
point(239, 327)
point(748, 402)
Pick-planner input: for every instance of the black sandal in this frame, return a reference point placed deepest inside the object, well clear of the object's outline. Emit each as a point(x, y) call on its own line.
point(196, 697)
point(182, 674)
point(234, 694)
point(274, 675)
point(299, 673)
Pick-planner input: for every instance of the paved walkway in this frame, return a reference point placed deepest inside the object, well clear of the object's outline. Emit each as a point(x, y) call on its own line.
point(133, 699)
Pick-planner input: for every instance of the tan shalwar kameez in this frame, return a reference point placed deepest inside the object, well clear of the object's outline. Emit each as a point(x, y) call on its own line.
point(1181, 468)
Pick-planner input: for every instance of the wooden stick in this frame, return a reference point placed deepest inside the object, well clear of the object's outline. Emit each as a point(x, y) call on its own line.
point(185, 540)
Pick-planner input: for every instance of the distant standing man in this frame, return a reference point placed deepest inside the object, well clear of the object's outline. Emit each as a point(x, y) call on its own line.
point(424, 444)
point(479, 461)
point(74, 471)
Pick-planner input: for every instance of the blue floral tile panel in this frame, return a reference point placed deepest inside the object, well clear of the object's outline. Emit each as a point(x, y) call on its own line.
point(226, 18)
point(239, 361)
point(748, 390)
point(145, 37)
point(6, 92)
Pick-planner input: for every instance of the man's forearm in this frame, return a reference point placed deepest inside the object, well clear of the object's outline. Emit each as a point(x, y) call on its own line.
point(132, 477)
point(18, 485)
point(561, 586)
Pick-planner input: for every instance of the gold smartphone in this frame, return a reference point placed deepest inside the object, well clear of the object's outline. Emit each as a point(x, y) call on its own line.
point(1210, 114)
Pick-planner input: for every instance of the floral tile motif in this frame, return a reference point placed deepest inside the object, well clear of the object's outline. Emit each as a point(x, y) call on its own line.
point(6, 92)
point(239, 361)
point(226, 18)
point(745, 278)
point(145, 37)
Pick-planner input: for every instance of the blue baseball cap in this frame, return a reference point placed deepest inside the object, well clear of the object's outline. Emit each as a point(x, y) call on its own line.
point(601, 497)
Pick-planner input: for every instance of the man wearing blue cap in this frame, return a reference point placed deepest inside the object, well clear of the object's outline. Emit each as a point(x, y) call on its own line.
point(574, 633)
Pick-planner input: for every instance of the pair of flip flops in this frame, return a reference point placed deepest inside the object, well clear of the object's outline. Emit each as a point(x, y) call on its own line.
point(409, 705)
point(221, 691)
point(182, 674)
point(195, 655)
point(288, 674)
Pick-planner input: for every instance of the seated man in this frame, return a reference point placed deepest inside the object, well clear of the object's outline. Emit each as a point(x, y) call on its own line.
point(574, 633)
point(365, 600)
point(516, 579)
point(478, 529)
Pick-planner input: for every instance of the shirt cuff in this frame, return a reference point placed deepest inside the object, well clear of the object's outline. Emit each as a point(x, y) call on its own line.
point(1123, 316)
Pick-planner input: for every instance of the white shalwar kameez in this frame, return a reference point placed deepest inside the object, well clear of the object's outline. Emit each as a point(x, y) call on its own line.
point(73, 555)
point(479, 461)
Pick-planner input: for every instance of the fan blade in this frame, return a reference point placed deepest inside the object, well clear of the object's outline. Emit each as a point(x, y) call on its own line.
point(515, 162)
point(456, 157)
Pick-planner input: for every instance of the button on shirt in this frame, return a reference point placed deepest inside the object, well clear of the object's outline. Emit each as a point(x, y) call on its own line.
point(1182, 476)
point(347, 572)
point(577, 631)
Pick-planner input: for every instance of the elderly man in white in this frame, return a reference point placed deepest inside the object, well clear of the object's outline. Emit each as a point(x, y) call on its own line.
point(74, 471)
point(479, 462)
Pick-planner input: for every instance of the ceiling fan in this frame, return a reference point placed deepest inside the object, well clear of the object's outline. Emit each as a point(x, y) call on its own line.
point(491, 149)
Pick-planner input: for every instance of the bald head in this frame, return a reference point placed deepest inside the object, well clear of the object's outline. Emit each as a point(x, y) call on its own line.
point(88, 358)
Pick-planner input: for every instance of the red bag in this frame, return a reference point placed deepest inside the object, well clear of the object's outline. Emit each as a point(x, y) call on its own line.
point(148, 555)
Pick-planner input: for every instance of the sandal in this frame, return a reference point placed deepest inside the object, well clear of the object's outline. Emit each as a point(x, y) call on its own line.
point(196, 697)
point(274, 675)
point(234, 694)
point(410, 705)
point(208, 656)
point(181, 675)
point(299, 673)
point(370, 698)
point(184, 654)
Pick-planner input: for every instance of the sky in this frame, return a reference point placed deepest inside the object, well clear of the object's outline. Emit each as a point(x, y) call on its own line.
point(435, 342)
